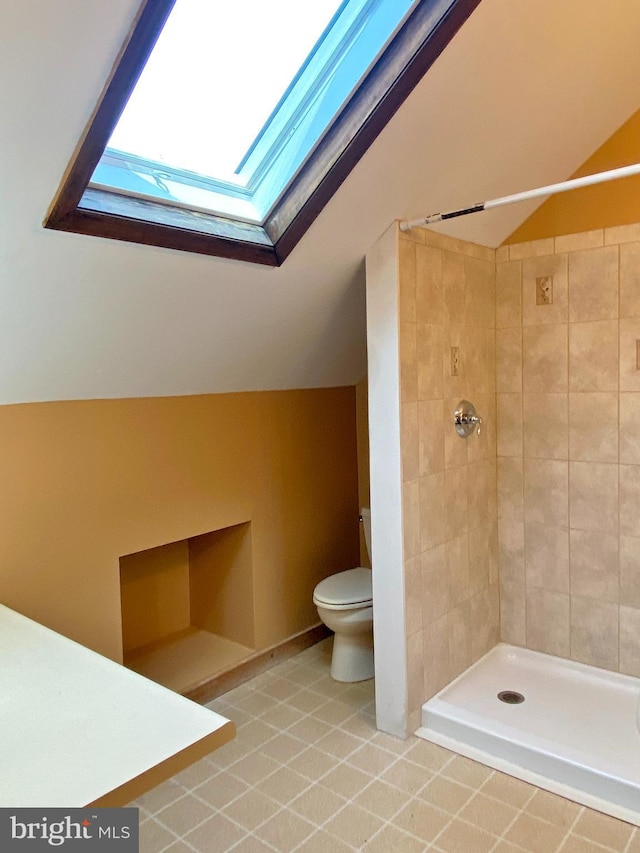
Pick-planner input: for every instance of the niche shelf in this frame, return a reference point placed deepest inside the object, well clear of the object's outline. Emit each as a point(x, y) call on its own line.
point(187, 607)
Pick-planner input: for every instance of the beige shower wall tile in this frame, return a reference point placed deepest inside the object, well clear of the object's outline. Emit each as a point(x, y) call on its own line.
point(456, 506)
point(630, 571)
point(477, 250)
point(413, 594)
point(432, 510)
point(509, 294)
point(510, 488)
point(630, 428)
point(482, 368)
point(593, 356)
point(593, 496)
point(546, 426)
point(409, 441)
point(483, 446)
point(629, 506)
point(547, 557)
point(593, 284)
point(429, 362)
point(630, 641)
point(509, 421)
point(482, 496)
point(502, 254)
point(594, 561)
point(408, 363)
point(594, 632)
point(545, 358)
point(483, 563)
point(429, 297)
point(416, 235)
point(581, 240)
point(629, 372)
point(460, 337)
point(490, 361)
point(484, 613)
point(454, 244)
point(532, 249)
point(415, 671)
point(509, 360)
point(548, 266)
point(407, 281)
point(455, 447)
point(622, 234)
point(513, 628)
point(477, 348)
point(593, 427)
point(459, 634)
point(546, 492)
point(435, 656)
point(457, 567)
point(630, 279)
point(436, 597)
point(511, 550)
point(411, 518)
point(480, 292)
point(548, 622)
point(453, 288)
point(430, 437)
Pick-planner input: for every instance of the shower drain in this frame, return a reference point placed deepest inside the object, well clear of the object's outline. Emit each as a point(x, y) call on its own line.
point(511, 697)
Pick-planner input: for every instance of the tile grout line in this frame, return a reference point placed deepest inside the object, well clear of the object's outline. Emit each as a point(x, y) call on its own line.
point(280, 806)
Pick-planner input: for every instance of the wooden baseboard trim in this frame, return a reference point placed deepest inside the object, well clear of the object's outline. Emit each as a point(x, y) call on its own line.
point(254, 665)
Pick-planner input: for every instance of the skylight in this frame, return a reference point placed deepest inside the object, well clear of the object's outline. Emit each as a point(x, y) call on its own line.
point(231, 149)
point(225, 128)
point(176, 116)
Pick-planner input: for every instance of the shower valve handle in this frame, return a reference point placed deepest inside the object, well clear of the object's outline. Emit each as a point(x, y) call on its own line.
point(466, 420)
point(470, 420)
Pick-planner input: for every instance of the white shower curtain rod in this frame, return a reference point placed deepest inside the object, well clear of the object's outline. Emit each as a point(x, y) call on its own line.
point(551, 189)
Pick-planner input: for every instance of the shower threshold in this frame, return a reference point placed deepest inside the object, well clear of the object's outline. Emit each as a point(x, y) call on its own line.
point(575, 734)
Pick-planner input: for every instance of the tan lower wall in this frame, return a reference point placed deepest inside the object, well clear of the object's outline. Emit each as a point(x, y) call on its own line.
point(87, 482)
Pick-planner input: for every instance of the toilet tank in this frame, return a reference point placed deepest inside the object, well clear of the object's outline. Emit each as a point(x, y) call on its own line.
point(365, 515)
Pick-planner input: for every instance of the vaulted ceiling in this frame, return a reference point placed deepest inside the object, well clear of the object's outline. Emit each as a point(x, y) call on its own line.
point(524, 94)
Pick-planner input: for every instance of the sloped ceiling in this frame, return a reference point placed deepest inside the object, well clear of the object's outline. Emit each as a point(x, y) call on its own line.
point(524, 94)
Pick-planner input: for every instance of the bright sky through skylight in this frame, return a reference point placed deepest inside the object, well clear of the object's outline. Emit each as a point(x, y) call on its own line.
point(219, 68)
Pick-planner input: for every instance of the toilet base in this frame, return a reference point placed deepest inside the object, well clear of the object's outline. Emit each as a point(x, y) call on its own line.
point(352, 658)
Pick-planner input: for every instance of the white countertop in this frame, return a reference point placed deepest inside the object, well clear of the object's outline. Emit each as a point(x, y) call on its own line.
point(77, 729)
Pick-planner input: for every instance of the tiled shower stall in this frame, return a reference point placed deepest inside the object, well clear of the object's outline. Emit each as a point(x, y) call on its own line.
point(530, 531)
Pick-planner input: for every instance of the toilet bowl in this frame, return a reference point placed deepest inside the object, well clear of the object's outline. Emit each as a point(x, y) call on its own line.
point(345, 605)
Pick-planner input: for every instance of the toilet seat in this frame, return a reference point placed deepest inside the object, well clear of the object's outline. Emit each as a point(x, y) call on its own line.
point(345, 590)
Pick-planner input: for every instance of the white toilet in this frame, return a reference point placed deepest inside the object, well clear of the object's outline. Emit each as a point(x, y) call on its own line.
point(345, 605)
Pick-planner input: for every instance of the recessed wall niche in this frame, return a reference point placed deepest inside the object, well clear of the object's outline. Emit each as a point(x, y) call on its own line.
point(187, 607)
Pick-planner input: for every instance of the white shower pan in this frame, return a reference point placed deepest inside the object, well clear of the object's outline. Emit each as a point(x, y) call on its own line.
point(575, 734)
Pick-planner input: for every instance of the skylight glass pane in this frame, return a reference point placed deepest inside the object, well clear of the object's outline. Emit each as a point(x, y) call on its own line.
point(218, 70)
point(235, 97)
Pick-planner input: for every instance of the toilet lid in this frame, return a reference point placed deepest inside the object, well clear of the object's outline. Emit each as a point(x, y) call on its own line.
point(350, 587)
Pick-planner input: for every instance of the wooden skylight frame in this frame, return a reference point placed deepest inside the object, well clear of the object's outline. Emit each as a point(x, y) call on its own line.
point(80, 209)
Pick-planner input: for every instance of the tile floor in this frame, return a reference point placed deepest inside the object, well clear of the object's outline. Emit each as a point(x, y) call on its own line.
point(309, 772)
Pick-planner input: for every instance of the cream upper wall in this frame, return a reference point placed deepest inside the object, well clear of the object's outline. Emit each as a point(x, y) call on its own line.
point(86, 482)
point(90, 318)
